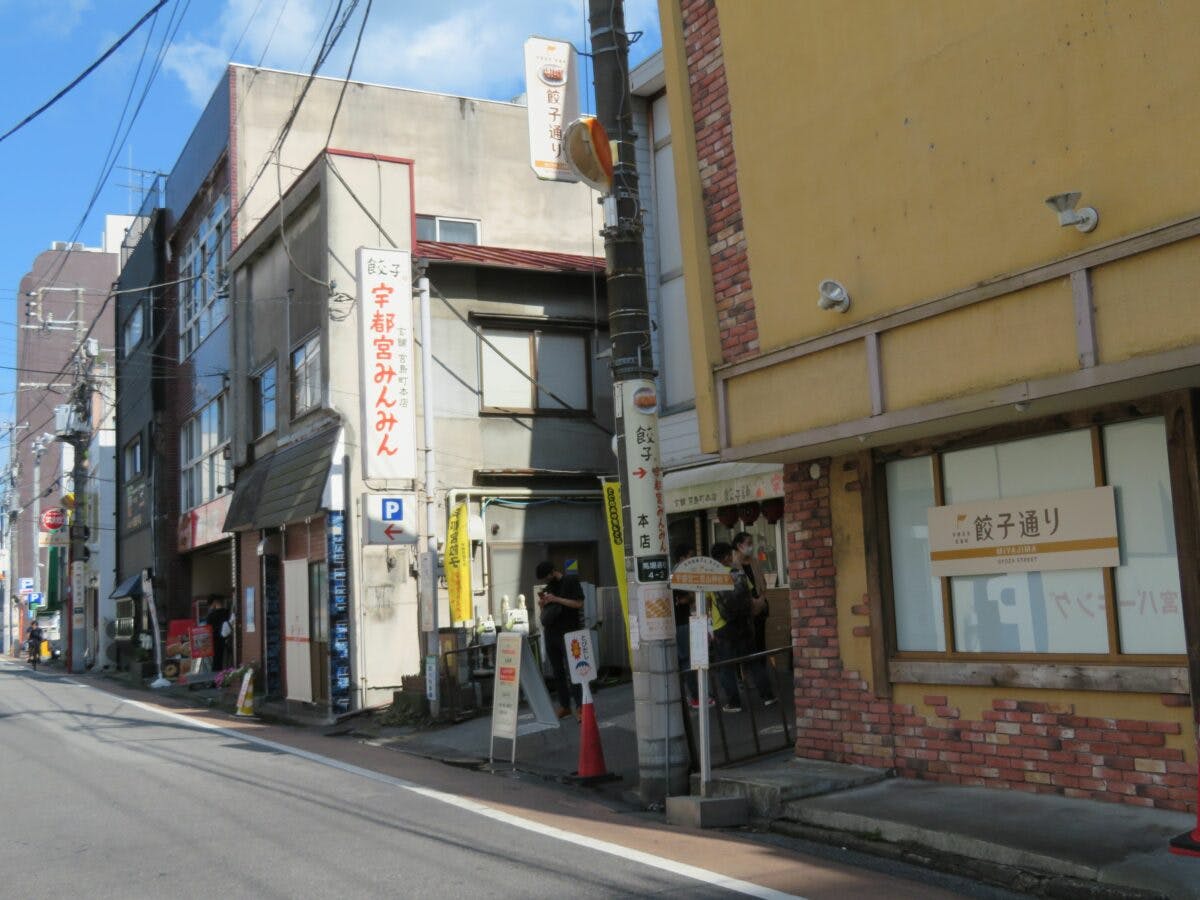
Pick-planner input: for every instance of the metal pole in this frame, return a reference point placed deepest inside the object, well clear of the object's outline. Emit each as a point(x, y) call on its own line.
point(38, 447)
point(633, 374)
point(429, 570)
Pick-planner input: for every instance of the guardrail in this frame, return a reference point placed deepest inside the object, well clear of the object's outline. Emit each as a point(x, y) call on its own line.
point(757, 730)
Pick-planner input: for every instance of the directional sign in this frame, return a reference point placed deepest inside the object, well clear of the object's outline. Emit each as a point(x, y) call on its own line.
point(36, 599)
point(391, 519)
point(648, 524)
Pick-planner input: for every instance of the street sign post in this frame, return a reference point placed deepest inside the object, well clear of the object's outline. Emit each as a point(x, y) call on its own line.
point(52, 530)
point(391, 519)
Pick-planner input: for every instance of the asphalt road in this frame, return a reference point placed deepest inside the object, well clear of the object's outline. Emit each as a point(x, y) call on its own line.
point(110, 795)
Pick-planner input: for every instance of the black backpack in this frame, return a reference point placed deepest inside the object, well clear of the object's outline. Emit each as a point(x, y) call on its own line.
point(735, 605)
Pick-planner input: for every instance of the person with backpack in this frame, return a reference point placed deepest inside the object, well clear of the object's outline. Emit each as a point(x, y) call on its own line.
point(733, 634)
point(34, 638)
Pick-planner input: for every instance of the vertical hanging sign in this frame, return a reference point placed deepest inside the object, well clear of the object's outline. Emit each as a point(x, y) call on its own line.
point(458, 564)
point(385, 311)
point(339, 611)
point(553, 99)
point(643, 475)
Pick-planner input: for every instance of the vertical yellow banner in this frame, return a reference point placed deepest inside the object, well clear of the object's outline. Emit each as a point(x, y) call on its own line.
point(458, 564)
point(612, 516)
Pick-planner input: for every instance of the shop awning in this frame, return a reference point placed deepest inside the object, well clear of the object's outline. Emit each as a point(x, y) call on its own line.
point(130, 587)
point(721, 484)
point(284, 486)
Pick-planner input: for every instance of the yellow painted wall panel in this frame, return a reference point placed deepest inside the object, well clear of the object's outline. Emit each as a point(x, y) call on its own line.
point(849, 558)
point(1148, 303)
point(820, 389)
point(906, 148)
point(1030, 334)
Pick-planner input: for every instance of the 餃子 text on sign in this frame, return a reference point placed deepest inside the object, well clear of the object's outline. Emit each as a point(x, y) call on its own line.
point(647, 538)
point(1042, 532)
point(386, 363)
point(553, 99)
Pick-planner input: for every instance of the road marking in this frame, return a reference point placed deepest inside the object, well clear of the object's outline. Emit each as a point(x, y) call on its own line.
point(705, 876)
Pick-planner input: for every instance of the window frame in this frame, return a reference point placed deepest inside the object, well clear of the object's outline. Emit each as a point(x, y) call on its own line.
point(437, 222)
point(138, 315)
point(257, 398)
point(533, 330)
point(1094, 421)
point(133, 447)
point(314, 388)
point(205, 257)
point(195, 457)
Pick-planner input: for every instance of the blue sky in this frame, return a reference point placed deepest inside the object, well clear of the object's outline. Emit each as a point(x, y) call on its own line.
point(54, 165)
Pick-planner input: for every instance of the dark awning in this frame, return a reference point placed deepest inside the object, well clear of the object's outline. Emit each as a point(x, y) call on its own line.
point(130, 587)
point(284, 486)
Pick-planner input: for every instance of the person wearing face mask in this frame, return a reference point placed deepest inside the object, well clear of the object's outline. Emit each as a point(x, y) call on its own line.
point(743, 543)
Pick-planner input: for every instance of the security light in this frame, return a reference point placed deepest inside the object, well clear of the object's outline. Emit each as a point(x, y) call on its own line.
point(833, 296)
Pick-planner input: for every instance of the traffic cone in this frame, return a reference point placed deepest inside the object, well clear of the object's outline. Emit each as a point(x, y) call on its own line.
point(1188, 843)
point(591, 754)
point(245, 702)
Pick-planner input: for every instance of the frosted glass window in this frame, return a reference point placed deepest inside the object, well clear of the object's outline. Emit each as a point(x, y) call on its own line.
point(561, 366)
point(502, 386)
point(1026, 612)
point(1149, 611)
point(677, 350)
point(918, 596)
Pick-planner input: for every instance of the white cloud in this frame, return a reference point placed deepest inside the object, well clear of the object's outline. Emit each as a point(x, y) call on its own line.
point(471, 47)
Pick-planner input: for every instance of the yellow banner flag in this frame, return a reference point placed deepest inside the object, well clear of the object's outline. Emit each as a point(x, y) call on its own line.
point(458, 564)
point(616, 541)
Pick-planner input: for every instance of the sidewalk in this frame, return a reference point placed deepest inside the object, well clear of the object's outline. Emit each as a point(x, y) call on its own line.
point(1027, 842)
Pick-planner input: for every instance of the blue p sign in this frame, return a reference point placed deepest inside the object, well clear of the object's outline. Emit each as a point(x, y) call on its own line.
point(393, 509)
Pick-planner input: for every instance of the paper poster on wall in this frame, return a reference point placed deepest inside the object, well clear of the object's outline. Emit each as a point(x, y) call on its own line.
point(248, 611)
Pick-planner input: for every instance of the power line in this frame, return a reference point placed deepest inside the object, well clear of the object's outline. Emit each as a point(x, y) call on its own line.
point(85, 73)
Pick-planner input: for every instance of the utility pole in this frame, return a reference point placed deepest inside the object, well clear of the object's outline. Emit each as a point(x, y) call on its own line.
point(662, 752)
point(79, 434)
point(427, 580)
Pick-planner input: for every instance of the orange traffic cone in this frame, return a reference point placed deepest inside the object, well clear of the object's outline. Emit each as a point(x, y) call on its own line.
point(591, 754)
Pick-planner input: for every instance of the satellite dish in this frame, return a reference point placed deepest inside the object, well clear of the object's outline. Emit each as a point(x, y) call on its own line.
point(588, 153)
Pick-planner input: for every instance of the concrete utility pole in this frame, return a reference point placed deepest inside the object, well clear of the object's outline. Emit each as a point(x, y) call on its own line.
point(662, 752)
point(80, 423)
point(39, 447)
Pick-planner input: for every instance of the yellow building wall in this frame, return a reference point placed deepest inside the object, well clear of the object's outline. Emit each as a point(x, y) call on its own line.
point(1148, 303)
point(906, 149)
point(1028, 334)
point(809, 392)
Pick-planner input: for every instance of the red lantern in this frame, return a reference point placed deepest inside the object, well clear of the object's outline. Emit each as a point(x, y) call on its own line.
point(772, 509)
point(748, 513)
point(727, 515)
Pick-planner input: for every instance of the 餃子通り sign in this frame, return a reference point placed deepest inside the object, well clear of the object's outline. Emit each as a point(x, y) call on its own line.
point(1067, 530)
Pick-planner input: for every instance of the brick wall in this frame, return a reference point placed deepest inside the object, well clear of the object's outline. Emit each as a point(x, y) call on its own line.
point(1019, 743)
point(733, 292)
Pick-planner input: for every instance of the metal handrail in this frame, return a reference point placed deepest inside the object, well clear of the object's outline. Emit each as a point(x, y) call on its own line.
point(759, 749)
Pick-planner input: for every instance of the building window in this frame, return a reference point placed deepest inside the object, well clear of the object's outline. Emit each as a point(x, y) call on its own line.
point(204, 471)
point(131, 459)
point(306, 376)
point(202, 270)
point(1133, 608)
point(769, 546)
point(264, 401)
point(537, 371)
point(454, 231)
point(131, 334)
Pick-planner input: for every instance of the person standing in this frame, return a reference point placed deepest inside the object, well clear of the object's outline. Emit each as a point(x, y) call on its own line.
point(217, 619)
point(733, 634)
point(34, 638)
point(743, 544)
point(561, 605)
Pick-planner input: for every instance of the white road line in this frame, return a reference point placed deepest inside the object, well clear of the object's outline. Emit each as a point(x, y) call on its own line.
point(705, 876)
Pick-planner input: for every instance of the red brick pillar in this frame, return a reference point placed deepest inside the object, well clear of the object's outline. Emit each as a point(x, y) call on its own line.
point(837, 716)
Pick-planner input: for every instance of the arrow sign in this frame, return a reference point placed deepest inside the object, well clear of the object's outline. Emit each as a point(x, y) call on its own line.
point(393, 532)
point(390, 519)
point(639, 472)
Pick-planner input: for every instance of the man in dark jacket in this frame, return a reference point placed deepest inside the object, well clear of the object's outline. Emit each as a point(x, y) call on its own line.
point(733, 634)
point(561, 606)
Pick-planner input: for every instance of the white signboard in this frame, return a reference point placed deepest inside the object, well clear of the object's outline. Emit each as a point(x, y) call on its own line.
point(581, 660)
point(24, 585)
point(702, 573)
point(54, 538)
point(427, 585)
point(1043, 532)
point(643, 475)
point(553, 97)
point(698, 641)
point(656, 612)
point(506, 690)
point(387, 363)
point(391, 518)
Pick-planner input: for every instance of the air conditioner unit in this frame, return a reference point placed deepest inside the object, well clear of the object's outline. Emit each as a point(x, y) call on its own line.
point(59, 245)
point(65, 423)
